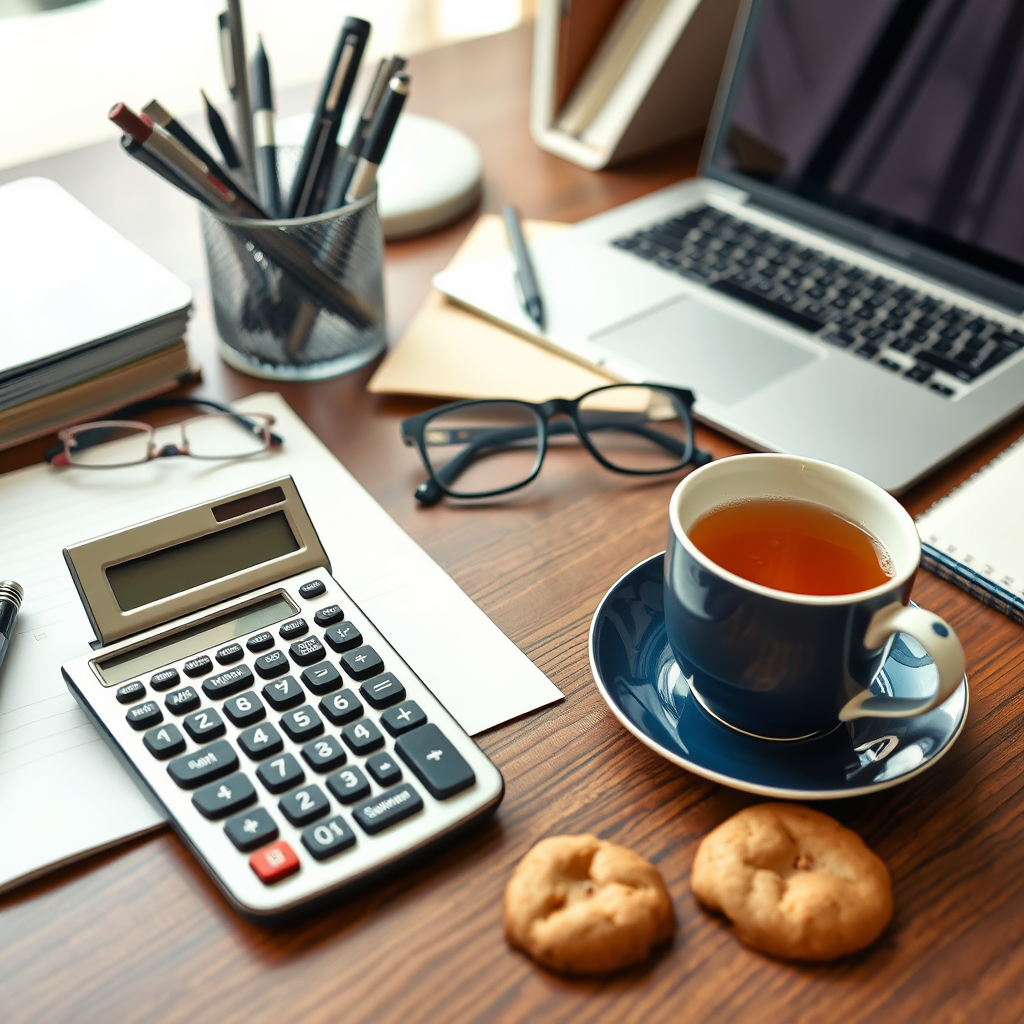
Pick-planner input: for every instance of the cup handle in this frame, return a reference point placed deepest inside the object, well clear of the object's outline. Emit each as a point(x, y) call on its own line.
point(938, 640)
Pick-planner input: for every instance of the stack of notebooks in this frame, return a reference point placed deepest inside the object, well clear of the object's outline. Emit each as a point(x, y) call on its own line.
point(88, 322)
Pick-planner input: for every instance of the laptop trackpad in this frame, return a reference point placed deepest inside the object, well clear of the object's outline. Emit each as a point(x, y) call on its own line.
point(689, 344)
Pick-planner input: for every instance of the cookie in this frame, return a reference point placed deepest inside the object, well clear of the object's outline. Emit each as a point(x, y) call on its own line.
point(581, 905)
point(794, 882)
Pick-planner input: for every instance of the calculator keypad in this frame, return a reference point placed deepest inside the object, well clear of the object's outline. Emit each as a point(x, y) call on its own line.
point(281, 773)
point(322, 679)
point(271, 665)
point(227, 683)
point(283, 694)
point(219, 799)
point(182, 701)
point(204, 725)
point(261, 741)
point(203, 765)
point(164, 741)
point(245, 709)
point(251, 829)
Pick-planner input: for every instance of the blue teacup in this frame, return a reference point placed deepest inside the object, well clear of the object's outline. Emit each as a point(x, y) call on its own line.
point(787, 666)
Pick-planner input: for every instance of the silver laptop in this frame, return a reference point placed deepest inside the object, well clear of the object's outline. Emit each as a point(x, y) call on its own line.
point(845, 279)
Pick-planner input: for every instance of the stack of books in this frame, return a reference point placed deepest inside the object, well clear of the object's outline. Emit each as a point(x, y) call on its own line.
point(88, 322)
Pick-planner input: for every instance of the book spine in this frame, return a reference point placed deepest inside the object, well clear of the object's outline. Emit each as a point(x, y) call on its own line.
point(981, 587)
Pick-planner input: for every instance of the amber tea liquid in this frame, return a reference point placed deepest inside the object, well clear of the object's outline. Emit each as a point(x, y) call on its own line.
point(792, 545)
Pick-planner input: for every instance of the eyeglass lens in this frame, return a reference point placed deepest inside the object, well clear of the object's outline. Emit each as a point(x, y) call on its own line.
point(108, 444)
point(222, 436)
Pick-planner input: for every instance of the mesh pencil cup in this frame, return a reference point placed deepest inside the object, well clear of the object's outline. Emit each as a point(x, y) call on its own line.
point(298, 299)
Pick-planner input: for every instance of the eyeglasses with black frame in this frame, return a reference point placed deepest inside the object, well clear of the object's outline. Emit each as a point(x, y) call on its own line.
point(484, 448)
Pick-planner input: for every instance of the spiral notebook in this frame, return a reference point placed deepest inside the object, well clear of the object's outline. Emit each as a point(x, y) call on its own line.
point(974, 537)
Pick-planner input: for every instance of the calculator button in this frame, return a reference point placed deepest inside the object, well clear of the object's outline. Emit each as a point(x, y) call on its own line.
point(362, 737)
point(322, 679)
point(260, 641)
point(383, 768)
point(204, 725)
point(324, 754)
point(304, 805)
point(225, 797)
point(226, 683)
point(245, 709)
point(181, 701)
point(144, 715)
point(251, 829)
point(436, 763)
point(383, 691)
point(343, 637)
point(272, 664)
point(203, 765)
point(403, 718)
point(280, 774)
point(302, 724)
point(341, 707)
point(197, 666)
point(131, 692)
point(391, 806)
point(164, 741)
point(274, 863)
point(290, 630)
point(314, 588)
point(362, 663)
point(348, 785)
point(228, 655)
point(164, 679)
point(329, 616)
point(307, 651)
point(261, 741)
point(328, 838)
point(283, 694)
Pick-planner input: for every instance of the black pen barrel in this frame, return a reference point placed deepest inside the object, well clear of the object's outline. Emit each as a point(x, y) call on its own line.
point(11, 596)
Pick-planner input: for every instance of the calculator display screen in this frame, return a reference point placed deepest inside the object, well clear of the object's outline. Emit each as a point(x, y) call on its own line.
point(189, 641)
point(196, 562)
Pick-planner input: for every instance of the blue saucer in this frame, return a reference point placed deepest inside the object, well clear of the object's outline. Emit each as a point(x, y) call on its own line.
point(638, 677)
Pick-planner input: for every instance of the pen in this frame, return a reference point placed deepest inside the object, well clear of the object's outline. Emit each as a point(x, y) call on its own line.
point(321, 148)
point(11, 596)
point(138, 151)
point(263, 132)
point(383, 127)
point(220, 133)
point(525, 279)
point(243, 109)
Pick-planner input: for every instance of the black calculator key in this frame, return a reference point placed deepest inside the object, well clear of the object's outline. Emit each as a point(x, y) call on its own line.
point(197, 666)
point(362, 663)
point(329, 616)
point(230, 654)
point(224, 684)
point(260, 641)
point(383, 691)
point(322, 679)
point(362, 737)
point(290, 630)
point(391, 806)
point(383, 768)
point(144, 715)
point(251, 829)
point(406, 716)
point(435, 762)
point(272, 665)
point(348, 785)
point(203, 765)
point(302, 724)
point(164, 741)
point(307, 651)
point(204, 725)
point(261, 741)
point(341, 707)
point(324, 754)
point(164, 679)
point(283, 694)
point(281, 773)
point(131, 692)
point(245, 709)
point(182, 701)
point(225, 797)
point(304, 805)
point(343, 637)
point(314, 588)
point(328, 838)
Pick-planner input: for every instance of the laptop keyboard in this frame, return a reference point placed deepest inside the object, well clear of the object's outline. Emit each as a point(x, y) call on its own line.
point(900, 329)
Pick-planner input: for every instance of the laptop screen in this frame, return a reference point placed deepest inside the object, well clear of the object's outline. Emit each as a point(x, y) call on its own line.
point(905, 114)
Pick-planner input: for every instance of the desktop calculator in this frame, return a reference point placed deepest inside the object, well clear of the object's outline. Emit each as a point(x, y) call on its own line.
point(260, 710)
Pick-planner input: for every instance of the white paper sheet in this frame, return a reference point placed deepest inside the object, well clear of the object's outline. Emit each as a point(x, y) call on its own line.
point(62, 793)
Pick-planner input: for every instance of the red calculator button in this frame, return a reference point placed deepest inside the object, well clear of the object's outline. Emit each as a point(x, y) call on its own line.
point(274, 862)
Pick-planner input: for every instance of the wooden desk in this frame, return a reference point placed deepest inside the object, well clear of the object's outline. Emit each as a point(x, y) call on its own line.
point(141, 934)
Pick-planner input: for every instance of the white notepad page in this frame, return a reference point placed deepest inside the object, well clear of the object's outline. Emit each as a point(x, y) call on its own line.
point(62, 793)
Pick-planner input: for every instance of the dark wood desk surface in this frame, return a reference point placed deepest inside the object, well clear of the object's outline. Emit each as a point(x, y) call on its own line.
point(140, 933)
